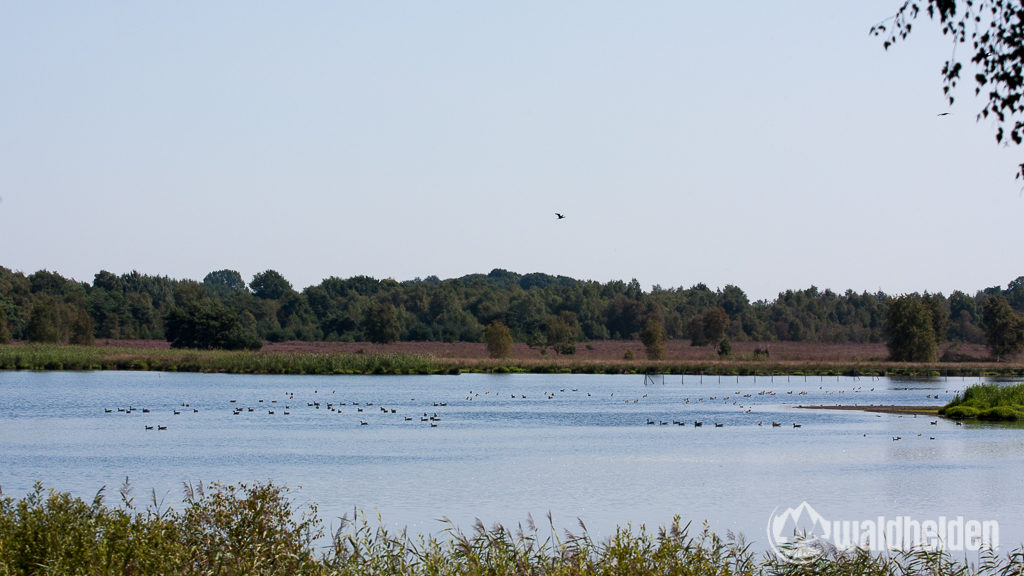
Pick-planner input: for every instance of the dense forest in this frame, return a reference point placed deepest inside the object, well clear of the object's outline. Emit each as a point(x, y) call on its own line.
point(539, 309)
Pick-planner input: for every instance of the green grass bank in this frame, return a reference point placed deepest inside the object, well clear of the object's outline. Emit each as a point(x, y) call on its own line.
point(69, 357)
point(987, 402)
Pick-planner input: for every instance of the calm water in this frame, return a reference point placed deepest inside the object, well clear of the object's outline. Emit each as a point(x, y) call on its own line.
point(511, 445)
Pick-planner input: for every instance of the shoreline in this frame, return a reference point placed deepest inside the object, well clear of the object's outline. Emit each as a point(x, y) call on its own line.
point(884, 409)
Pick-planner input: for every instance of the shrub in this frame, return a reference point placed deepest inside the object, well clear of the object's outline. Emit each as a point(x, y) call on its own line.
point(566, 348)
point(724, 347)
point(499, 340)
point(959, 412)
point(1001, 413)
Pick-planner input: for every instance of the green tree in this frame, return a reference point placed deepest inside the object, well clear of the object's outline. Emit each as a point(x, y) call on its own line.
point(141, 317)
point(562, 331)
point(734, 301)
point(108, 281)
point(724, 347)
point(624, 314)
point(41, 326)
point(106, 307)
point(5, 331)
point(296, 317)
point(270, 285)
point(910, 330)
point(206, 324)
point(965, 330)
point(1004, 329)
point(1014, 294)
point(695, 331)
point(228, 279)
point(380, 323)
point(52, 283)
point(525, 316)
point(82, 327)
point(714, 323)
point(653, 337)
point(499, 340)
point(992, 29)
point(939, 306)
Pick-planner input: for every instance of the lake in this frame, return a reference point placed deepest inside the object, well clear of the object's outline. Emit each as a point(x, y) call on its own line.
point(502, 447)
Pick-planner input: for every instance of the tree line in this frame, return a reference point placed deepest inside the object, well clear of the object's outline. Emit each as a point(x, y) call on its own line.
point(223, 311)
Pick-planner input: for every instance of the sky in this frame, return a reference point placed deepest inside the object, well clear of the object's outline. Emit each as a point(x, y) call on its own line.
point(767, 145)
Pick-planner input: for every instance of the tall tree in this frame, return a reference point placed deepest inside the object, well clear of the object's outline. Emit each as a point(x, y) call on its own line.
point(499, 340)
point(910, 331)
point(653, 337)
point(734, 301)
point(380, 323)
point(5, 331)
point(1004, 329)
point(229, 279)
point(206, 324)
point(562, 331)
point(939, 306)
point(82, 327)
point(41, 326)
point(108, 281)
point(1015, 294)
point(525, 316)
point(269, 285)
point(714, 323)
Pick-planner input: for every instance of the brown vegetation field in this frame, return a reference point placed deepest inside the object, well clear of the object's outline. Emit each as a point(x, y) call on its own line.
point(782, 356)
point(597, 351)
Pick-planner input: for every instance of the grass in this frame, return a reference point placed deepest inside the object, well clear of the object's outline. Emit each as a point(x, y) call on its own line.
point(383, 360)
point(61, 357)
point(256, 530)
point(987, 402)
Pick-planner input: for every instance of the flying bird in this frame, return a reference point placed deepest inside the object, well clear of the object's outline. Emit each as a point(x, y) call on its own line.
point(943, 113)
point(560, 216)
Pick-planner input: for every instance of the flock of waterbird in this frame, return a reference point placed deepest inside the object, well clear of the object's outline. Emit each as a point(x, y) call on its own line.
point(740, 401)
point(284, 408)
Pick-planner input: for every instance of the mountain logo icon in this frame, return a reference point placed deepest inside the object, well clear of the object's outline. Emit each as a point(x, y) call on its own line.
point(799, 534)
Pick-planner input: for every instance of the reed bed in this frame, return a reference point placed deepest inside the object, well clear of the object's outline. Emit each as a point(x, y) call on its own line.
point(60, 357)
point(987, 402)
point(68, 357)
point(256, 530)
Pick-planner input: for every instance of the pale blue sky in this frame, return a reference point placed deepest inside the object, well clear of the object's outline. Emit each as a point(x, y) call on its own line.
point(770, 145)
